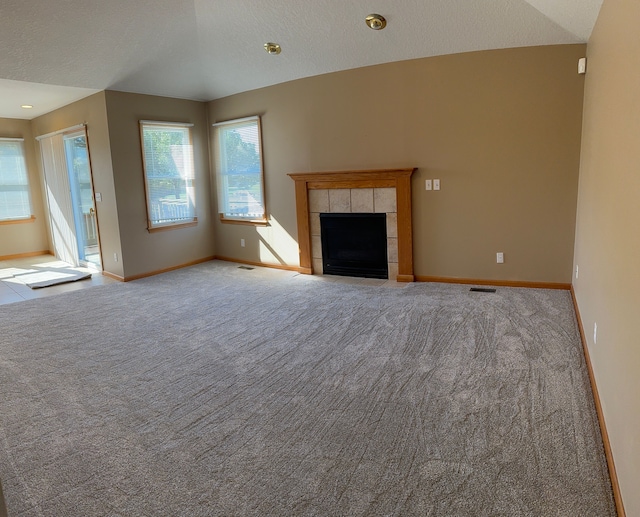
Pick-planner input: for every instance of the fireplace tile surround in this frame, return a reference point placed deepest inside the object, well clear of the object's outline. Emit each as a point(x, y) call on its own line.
point(381, 191)
point(365, 200)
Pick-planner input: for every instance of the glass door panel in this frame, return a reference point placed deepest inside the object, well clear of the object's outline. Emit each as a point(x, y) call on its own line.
point(84, 210)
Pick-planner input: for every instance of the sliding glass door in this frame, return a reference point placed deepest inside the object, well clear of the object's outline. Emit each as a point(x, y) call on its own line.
point(84, 210)
point(72, 212)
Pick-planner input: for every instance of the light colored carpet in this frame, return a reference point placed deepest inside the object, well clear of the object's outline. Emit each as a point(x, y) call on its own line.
point(51, 276)
point(216, 391)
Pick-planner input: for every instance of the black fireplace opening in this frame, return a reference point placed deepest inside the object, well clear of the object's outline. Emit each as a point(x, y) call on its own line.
point(354, 245)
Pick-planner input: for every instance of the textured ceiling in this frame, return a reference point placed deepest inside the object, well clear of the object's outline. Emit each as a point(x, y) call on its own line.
point(207, 49)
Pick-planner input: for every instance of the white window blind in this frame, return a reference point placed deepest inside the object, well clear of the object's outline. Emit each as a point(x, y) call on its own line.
point(239, 172)
point(15, 201)
point(168, 173)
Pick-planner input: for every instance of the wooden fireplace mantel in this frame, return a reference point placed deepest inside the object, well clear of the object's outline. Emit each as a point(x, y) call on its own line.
point(400, 179)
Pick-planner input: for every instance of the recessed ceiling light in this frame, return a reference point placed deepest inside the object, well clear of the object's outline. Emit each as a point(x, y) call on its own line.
point(27, 106)
point(272, 48)
point(376, 22)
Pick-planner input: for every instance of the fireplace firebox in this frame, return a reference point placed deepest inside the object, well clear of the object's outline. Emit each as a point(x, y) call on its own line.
point(354, 244)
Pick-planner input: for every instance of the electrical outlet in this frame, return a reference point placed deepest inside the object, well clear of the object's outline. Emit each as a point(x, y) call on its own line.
point(242, 242)
point(115, 257)
point(500, 258)
point(577, 271)
point(427, 185)
point(595, 333)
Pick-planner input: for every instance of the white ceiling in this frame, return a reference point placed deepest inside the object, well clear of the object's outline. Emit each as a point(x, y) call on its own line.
point(207, 49)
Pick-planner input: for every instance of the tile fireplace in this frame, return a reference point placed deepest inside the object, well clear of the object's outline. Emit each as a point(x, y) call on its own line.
point(384, 191)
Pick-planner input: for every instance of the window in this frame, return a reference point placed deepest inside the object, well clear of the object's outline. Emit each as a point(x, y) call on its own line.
point(239, 177)
point(167, 155)
point(15, 202)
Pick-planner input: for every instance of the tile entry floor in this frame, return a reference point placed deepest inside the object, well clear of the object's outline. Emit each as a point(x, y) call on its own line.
point(12, 290)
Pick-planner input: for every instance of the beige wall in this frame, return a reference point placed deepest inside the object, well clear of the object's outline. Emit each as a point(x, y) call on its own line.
point(16, 239)
point(144, 252)
point(607, 238)
point(92, 111)
point(116, 159)
point(500, 129)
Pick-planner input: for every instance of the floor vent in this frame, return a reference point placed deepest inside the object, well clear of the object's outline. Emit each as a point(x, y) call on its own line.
point(246, 267)
point(482, 290)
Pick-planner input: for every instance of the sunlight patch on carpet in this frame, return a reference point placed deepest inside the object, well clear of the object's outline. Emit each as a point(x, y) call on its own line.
point(49, 277)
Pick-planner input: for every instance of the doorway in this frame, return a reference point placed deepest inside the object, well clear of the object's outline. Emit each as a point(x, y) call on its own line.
point(70, 197)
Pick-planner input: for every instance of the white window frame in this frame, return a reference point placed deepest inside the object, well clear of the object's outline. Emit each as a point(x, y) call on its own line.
point(222, 174)
point(25, 218)
point(154, 222)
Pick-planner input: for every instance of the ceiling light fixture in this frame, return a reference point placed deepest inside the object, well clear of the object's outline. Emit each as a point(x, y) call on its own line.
point(27, 106)
point(272, 48)
point(376, 22)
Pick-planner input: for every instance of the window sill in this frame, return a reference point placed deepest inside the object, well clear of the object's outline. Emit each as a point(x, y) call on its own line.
point(19, 221)
point(155, 229)
point(246, 222)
